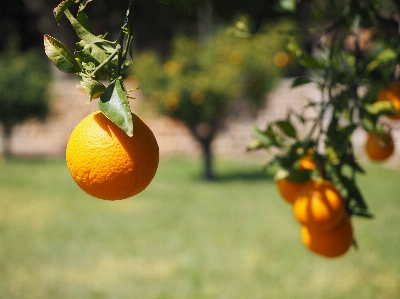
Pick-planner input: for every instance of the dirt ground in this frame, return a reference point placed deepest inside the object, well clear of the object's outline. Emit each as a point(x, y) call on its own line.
point(69, 106)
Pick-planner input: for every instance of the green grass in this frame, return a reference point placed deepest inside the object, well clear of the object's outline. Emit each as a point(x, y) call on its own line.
point(183, 238)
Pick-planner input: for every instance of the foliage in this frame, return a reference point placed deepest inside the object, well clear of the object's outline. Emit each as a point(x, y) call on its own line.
point(96, 59)
point(23, 87)
point(201, 83)
point(358, 53)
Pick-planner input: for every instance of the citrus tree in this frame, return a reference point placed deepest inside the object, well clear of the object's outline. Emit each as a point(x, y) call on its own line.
point(201, 84)
point(23, 87)
point(355, 64)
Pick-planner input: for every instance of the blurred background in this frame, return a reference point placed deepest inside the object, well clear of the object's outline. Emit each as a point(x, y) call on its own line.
point(158, 27)
point(229, 236)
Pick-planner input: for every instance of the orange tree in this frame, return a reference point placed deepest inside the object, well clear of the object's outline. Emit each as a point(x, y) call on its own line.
point(201, 84)
point(357, 54)
point(24, 80)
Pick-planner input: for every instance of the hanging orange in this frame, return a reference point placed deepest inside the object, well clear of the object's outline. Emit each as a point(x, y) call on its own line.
point(379, 147)
point(331, 243)
point(307, 163)
point(108, 164)
point(319, 205)
point(288, 189)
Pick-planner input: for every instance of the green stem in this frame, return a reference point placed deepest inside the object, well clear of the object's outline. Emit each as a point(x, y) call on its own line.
point(324, 103)
point(108, 60)
point(122, 33)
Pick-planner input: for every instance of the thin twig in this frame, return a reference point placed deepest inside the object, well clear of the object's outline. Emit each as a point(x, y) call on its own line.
point(122, 33)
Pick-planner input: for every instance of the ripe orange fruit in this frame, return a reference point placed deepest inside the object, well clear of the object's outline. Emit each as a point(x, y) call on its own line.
point(289, 189)
point(391, 93)
point(379, 147)
point(108, 164)
point(319, 205)
point(331, 243)
point(307, 163)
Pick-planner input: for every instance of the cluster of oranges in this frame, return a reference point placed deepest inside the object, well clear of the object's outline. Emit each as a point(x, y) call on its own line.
point(318, 206)
point(379, 145)
point(326, 228)
point(108, 164)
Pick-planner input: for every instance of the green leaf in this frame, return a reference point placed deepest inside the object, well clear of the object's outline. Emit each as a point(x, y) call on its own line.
point(304, 58)
point(362, 213)
point(381, 107)
point(83, 4)
point(332, 155)
point(310, 62)
point(288, 5)
point(294, 48)
point(385, 56)
point(287, 128)
point(61, 57)
point(352, 162)
point(91, 53)
point(84, 21)
point(369, 122)
point(241, 27)
point(353, 192)
point(300, 81)
point(93, 88)
point(292, 156)
point(254, 145)
point(114, 104)
point(267, 138)
point(292, 174)
point(81, 31)
point(61, 8)
point(273, 166)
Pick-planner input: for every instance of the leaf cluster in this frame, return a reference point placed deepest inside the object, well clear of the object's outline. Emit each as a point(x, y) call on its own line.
point(96, 59)
point(352, 62)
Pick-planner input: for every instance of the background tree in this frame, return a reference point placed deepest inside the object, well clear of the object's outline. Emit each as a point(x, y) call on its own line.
point(201, 84)
point(24, 81)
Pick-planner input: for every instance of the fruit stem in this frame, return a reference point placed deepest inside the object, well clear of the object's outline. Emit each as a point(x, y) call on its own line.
point(125, 30)
point(105, 62)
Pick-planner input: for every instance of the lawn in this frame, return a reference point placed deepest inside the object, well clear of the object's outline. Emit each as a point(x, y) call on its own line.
point(183, 238)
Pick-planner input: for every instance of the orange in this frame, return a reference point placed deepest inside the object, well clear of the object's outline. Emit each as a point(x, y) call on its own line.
point(379, 147)
point(108, 164)
point(331, 243)
point(288, 189)
point(319, 205)
point(391, 93)
point(307, 163)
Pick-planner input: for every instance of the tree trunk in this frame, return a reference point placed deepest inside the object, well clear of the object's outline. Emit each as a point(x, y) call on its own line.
point(208, 170)
point(7, 141)
point(205, 139)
